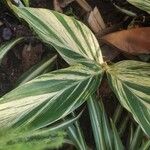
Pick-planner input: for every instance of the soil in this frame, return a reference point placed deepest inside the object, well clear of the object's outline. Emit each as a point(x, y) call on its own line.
point(31, 51)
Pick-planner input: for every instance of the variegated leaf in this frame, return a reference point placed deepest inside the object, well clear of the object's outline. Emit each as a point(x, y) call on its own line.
point(48, 97)
point(7, 46)
point(117, 140)
point(26, 2)
point(37, 70)
point(72, 39)
point(130, 80)
point(105, 136)
point(76, 135)
point(22, 140)
point(142, 4)
point(95, 112)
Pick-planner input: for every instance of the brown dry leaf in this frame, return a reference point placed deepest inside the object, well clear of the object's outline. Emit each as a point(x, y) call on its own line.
point(84, 5)
point(96, 21)
point(133, 41)
point(97, 25)
point(57, 6)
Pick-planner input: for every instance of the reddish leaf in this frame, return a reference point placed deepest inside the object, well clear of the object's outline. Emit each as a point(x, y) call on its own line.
point(134, 41)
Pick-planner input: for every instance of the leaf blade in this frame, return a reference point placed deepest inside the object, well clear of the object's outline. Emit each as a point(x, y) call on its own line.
point(36, 70)
point(142, 4)
point(33, 106)
point(67, 35)
point(106, 137)
point(133, 41)
point(7, 46)
point(130, 82)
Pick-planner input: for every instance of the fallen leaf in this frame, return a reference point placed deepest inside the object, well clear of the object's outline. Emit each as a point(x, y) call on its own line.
point(96, 21)
point(57, 6)
point(84, 5)
point(133, 41)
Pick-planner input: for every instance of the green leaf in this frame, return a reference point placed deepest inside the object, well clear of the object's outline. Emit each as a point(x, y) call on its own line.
point(123, 125)
point(130, 82)
point(131, 134)
point(7, 46)
point(73, 135)
point(117, 141)
point(95, 112)
point(138, 136)
point(59, 126)
point(49, 97)
point(26, 2)
point(145, 145)
point(105, 137)
point(117, 114)
point(142, 4)
point(76, 135)
point(71, 38)
point(36, 70)
point(19, 140)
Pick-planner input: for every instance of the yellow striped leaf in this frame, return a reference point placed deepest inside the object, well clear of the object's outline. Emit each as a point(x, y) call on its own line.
point(130, 80)
point(48, 97)
point(4, 48)
point(71, 38)
point(142, 4)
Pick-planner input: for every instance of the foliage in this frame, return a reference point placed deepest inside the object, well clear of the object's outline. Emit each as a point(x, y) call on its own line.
point(105, 137)
point(19, 140)
point(142, 4)
point(41, 101)
point(131, 85)
point(42, 67)
point(26, 2)
point(4, 48)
